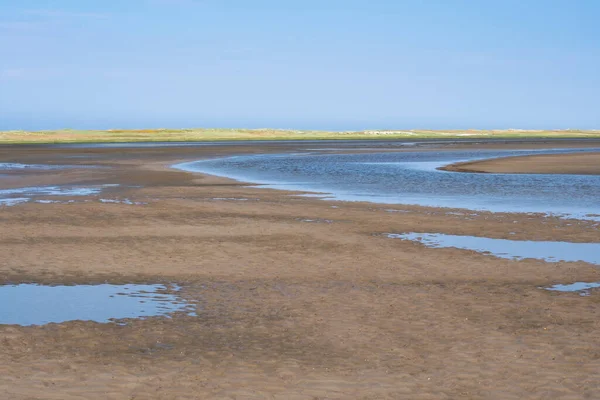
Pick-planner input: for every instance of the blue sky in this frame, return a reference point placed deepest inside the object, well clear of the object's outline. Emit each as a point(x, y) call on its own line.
point(306, 64)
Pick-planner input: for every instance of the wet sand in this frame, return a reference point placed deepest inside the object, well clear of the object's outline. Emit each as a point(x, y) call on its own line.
point(574, 164)
point(287, 309)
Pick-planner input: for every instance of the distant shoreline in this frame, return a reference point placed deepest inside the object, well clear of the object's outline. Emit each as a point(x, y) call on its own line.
point(212, 135)
point(572, 164)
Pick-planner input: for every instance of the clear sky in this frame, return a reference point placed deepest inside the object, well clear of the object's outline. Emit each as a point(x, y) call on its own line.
point(307, 64)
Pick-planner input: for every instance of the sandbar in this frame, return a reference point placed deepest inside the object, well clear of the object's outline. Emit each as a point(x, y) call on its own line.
point(573, 164)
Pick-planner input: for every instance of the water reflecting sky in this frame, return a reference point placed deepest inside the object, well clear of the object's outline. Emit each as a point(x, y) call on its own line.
point(412, 178)
point(30, 304)
point(511, 249)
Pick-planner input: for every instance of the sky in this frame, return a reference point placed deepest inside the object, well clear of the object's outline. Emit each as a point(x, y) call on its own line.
point(300, 64)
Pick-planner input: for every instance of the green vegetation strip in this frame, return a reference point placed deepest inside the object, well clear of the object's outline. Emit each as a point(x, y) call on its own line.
point(199, 135)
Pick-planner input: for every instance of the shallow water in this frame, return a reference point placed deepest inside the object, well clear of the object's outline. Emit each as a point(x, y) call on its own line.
point(582, 287)
point(412, 178)
point(123, 201)
point(11, 197)
point(317, 220)
point(510, 249)
point(8, 202)
point(52, 191)
point(30, 304)
point(18, 166)
point(230, 198)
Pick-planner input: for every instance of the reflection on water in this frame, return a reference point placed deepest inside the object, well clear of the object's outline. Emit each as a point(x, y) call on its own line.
point(29, 304)
point(412, 178)
point(583, 288)
point(511, 249)
point(13, 201)
point(123, 201)
point(18, 166)
point(11, 197)
point(52, 191)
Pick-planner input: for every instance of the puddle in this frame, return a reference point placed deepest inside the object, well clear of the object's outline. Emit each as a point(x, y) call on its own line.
point(44, 201)
point(318, 220)
point(13, 201)
point(229, 199)
point(11, 197)
point(322, 196)
point(53, 191)
point(31, 304)
point(18, 166)
point(510, 249)
point(123, 201)
point(462, 214)
point(582, 287)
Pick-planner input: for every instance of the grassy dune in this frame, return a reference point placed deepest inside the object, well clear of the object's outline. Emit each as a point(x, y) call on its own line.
point(200, 134)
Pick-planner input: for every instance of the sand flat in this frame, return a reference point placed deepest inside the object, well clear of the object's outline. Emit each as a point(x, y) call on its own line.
point(574, 164)
point(288, 309)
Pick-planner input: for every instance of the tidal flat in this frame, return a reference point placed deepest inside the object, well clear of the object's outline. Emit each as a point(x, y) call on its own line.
point(294, 296)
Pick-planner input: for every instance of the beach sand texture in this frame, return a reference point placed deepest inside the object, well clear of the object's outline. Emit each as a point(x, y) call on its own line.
point(288, 309)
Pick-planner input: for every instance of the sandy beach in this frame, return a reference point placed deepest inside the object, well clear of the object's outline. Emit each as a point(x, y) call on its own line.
point(297, 298)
